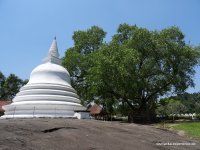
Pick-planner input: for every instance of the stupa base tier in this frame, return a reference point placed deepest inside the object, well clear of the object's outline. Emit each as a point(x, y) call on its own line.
point(38, 116)
point(41, 111)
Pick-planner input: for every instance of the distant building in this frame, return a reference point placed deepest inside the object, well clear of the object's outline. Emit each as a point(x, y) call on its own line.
point(97, 112)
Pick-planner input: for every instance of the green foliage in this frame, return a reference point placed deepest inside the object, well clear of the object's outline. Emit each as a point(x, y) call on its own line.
point(2, 81)
point(191, 101)
point(77, 58)
point(25, 81)
point(135, 68)
point(198, 116)
point(10, 86)
point(197, 108)
point(123, 109)
point(170, 107)
point(88, 41)
point(176, 108)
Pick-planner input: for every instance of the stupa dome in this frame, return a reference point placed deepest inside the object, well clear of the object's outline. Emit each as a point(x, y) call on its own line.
point(55, 73)
point(48, 93)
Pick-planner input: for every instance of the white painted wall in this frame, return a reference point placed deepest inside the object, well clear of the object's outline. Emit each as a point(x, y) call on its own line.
point(82, 115)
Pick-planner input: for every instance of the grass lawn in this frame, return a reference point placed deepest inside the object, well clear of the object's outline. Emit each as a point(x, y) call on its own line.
point(190, 128)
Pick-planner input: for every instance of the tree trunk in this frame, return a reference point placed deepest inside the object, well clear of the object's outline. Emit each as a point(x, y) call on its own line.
point(144, 114)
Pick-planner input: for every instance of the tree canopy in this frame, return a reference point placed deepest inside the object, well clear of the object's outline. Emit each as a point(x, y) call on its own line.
point(136, 67)
point(190, 101)
point(10, 86)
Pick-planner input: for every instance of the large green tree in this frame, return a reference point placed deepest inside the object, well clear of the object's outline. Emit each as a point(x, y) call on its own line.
point(76, 58)
point(135, 68)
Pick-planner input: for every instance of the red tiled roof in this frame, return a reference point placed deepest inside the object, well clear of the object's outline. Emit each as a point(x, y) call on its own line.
point(2, 103)
point(95, 109)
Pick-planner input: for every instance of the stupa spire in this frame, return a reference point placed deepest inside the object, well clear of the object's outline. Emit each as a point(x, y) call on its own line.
point(53, 50)
point(53, 54)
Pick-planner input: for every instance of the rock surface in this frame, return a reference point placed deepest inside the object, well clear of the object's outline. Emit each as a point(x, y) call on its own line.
point(73, 134)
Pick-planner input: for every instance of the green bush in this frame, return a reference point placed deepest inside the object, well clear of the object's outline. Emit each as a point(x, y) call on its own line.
point(198, 116)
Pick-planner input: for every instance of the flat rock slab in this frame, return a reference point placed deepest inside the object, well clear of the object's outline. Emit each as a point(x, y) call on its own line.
point(73, 134)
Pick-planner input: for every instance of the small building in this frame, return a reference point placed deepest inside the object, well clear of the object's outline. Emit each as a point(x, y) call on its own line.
point(2, 103)
point(97, 112)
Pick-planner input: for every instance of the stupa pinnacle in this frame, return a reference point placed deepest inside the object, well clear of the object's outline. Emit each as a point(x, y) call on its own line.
point(53, 54)
point(53, 51)
point(48, 92)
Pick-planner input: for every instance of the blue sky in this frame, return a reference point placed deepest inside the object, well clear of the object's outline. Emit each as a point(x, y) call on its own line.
point(27, 27)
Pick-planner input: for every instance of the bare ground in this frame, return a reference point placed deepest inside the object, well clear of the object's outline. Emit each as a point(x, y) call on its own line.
point(73, 134)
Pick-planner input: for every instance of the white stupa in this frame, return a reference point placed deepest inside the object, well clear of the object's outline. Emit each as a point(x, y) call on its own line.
point(48, 92)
